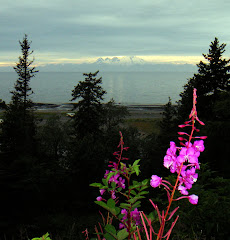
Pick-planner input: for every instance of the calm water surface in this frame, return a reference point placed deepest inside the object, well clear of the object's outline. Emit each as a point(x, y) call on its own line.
point(124, 88)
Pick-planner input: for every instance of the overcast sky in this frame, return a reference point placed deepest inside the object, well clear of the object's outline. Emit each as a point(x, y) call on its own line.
point(81, 30)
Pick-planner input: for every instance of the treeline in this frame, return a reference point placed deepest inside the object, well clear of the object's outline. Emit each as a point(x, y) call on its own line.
point(46, 167)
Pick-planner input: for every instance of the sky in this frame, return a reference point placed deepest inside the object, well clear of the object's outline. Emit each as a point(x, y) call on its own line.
point(77, 31)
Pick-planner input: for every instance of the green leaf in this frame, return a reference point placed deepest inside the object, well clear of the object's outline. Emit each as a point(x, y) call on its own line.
point(111, 203)
point(144, 187)
point(122, 234)
point(133, 200)
point(110, 175)
point(44, 237)
point(111, 206)
point(133, 192)
point(136, 184)
point(113, 185)
point(136, 169)
point(143, 192)
point(145, 182)
point(136, 162)
point(125, 205)
point(109, 237)
point(102, 204)
point(111, 229)
point(117, 209)
point(105, 182)
point(136, 204)
point(96, 185)
point(105, 206)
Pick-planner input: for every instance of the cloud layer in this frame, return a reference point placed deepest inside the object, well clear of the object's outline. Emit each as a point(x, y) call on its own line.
point(81, 29)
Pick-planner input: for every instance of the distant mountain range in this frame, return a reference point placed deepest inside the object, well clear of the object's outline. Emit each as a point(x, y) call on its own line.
point(115, 64)
point(121, 61)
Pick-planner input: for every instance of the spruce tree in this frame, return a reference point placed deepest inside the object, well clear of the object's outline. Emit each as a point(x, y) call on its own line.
point(89, 115)
point(168, 116)
point(18, 128)
point(212, 78)
point(25, 72)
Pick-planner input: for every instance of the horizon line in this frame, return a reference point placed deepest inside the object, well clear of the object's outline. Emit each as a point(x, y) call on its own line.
point(153, 59)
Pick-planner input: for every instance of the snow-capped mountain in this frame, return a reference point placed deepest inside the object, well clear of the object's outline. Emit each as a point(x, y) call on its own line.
point(120, 60)
point(111, 64)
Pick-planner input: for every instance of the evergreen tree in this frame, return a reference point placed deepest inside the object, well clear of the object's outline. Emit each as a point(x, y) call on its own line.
point(2, 104)
point(212, 78)
point(113, 115)
point(18, 127)
point(25, 72)
point(167, 124)
point(89, 115)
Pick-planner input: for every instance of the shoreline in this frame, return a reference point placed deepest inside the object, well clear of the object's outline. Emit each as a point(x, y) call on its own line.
point(69, 106)
point(136, 111)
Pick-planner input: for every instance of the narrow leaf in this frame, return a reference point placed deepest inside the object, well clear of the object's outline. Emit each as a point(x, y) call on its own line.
point(96, 185)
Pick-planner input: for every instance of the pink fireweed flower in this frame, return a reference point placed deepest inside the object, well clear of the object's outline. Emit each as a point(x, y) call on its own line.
point(183, 190)
point(121, 183)
point(172, 150)
point(124, 211)
point(193, 199)
point(114, 178)
point(199, 145)
point(136, 216)
point(113, 196)
point(102, 191)
point(99, 198)
point(121, 225)
point(106, 173)
point(155, 181)
point(187, 154)
point(188, 177)
point(170, 159)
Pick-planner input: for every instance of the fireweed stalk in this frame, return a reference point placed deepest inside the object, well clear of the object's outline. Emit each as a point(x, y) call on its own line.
point(185, 165)
point(120, 196)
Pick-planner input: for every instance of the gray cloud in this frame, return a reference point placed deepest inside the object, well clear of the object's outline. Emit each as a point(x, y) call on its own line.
point(77, 28)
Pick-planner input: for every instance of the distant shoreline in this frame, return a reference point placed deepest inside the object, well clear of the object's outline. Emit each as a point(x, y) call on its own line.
point(69, 106)
point(137, 111)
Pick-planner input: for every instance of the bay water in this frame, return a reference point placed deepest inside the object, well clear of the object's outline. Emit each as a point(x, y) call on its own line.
point(127, 88)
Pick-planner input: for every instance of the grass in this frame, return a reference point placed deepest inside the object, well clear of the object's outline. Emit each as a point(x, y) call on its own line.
point(144, 125)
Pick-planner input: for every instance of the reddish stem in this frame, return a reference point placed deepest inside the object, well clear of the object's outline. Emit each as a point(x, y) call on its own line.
point(161, 230)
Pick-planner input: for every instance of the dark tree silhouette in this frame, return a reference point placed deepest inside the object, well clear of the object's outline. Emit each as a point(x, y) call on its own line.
point(25, 72)
point(89, 115)
point(18, 127)
point(2, 104)
point(168, 116)
point(212, 78)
